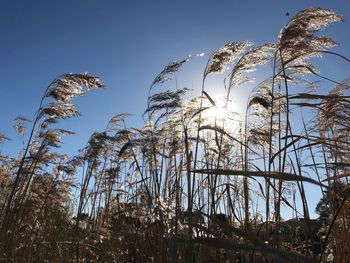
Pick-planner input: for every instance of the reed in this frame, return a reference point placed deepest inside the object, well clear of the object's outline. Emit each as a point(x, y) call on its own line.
point(190, 186)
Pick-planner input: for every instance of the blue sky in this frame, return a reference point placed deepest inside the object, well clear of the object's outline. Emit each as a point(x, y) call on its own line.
point(126, 43)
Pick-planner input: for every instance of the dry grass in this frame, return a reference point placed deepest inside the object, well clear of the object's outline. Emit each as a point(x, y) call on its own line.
point(188, 187)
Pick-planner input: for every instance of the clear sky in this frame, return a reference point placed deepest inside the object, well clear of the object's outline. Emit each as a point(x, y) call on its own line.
point(126, 43)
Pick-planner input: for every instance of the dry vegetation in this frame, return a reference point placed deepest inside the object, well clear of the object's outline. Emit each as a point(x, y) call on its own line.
point(188, 187)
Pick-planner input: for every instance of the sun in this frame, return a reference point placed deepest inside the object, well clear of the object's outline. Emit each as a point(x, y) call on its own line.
point(222, 111)
point(218, 113)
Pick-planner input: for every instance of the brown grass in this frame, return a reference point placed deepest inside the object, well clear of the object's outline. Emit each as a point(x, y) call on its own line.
point(187, 187)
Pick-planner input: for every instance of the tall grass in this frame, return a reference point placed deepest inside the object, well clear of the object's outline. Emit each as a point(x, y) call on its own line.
point(190, 186)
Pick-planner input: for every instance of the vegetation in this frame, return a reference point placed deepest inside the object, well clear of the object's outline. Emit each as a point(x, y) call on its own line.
point(191, 186)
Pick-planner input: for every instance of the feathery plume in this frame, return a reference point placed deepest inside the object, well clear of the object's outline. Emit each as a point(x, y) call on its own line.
point(169, 69)
point(298, 37)
point(248, 62)
point(224, 56)
point(64, 88)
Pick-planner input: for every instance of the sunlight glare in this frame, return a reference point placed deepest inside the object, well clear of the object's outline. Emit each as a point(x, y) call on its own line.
point(220, 112)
